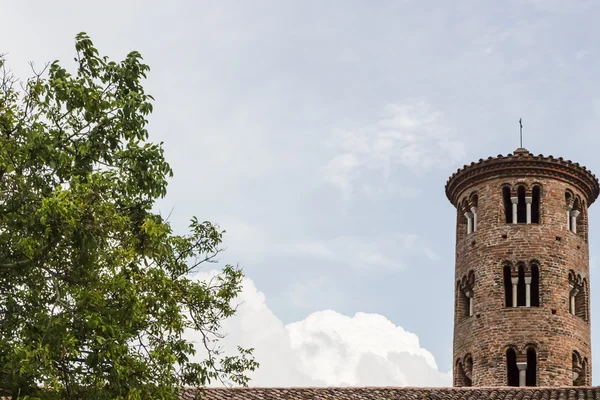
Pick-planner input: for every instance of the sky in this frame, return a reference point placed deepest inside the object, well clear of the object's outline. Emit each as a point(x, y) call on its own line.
point(320, 135)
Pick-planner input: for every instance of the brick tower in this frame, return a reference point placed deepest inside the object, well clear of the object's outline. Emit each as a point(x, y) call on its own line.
point(521, 315)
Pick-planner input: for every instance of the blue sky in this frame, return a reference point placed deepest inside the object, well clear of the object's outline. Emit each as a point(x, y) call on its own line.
point(320, 135)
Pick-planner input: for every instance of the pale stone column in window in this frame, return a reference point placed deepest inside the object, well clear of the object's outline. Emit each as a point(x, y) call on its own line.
point(474, 211)
point(469, 217)
point(515, 201)
point(469, 294)
point(574, 215)
point(528, 201)
point(522, 365)
point(515, 281)
point(571, 303)
point(528, 291)
point(574, 292)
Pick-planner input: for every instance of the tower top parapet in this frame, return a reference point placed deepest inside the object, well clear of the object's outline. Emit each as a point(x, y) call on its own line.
point(523, 163)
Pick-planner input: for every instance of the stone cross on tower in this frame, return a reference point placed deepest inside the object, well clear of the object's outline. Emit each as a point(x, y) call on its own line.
point(522, 314)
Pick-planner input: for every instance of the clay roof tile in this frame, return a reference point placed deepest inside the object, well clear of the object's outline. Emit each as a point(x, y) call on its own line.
point(394, 393)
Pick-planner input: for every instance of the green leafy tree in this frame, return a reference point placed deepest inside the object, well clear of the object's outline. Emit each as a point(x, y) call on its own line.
point(95, 289)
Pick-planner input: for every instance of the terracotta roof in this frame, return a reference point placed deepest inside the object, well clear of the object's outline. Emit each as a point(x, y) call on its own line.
point(525, 163)
point(394, 393)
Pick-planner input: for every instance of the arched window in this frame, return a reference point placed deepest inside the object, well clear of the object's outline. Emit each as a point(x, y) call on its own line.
point(530, 375)
point(466, 293)
point(581, 300)
point(583, 222)
point(521, 286)
point(569, 205)
point(467, 217)
point(573, 291)
point(507, 204)
point(468, 366)
point(512, 371)
point(579, 369)
point(575, 212)
point(474, 202)
point(535, 205)
point(508, 295)
point(585, 300)
point(521, 206)
point(462, 375)
point(463, 303)
point(580, 303)
point(578, 296)
point(535, 286)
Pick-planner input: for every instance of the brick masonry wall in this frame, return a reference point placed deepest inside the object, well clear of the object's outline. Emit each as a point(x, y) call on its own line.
point(487, 334)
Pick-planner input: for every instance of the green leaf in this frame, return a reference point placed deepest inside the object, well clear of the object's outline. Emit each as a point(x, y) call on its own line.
point(94, 287)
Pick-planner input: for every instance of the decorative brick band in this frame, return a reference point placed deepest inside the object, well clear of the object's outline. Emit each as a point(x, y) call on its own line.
point(523, 163)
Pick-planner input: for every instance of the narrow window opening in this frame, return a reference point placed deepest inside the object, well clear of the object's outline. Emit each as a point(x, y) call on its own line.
point(521, 287)
point(569, 204)
point(530, 375)
point(535, 286)
point(583, 222)
point(461, 378)
point(468, 382)
point(507, 204)
point(468, 371)
point(511, 368)
point(580, 303)
point(462, 220)
point(586, 300)
point(465, 295)
point(535, 205)
point(576, 369)
point(467, 217)
point(521, 206)
point(474, 202)
point(507, 287)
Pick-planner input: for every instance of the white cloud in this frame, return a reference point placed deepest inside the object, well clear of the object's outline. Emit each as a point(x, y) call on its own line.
point(410, 136)
point(328, 348)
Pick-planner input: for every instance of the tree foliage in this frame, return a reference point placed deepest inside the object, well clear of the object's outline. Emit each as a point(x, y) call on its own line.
point(95, 288)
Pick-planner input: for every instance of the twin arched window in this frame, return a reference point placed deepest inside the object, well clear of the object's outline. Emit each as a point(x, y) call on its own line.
point(465, 290)
point(521, 370)
point(576, 214)
point(521, 207)
point(578, 296)
point(521, 285)
point(464, 372)
point(580, 370)
point(468, 208)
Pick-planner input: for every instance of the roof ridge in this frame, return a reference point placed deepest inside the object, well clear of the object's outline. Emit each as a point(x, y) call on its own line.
point(399, 387)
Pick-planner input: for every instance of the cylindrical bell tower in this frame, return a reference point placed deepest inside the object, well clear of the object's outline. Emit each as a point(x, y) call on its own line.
point(522, 314)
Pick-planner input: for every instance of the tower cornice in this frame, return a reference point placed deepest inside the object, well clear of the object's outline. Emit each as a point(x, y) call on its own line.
point(523, 163)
